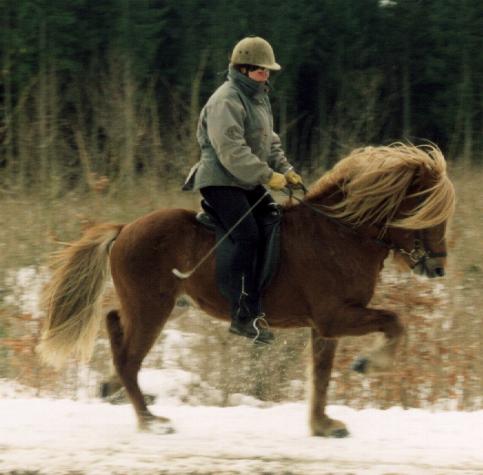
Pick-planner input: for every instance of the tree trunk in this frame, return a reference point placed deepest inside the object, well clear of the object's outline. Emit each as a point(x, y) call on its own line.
point(406, 93)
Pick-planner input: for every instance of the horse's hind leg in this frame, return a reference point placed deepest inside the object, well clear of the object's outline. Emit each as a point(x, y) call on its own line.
point(130, 343)
point(323, 352)
point(111, 388)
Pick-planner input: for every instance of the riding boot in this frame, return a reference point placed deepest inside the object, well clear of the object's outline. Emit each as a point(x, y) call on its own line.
point(248, 321)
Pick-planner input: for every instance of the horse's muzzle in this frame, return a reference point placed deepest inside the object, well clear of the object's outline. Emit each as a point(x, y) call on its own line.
point(436, 272)
point(439, 271)
point(429, 268)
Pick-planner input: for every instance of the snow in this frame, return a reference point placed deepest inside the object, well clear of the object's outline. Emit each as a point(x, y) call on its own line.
point(47, 436)
point(25, 285)
point(41, 436)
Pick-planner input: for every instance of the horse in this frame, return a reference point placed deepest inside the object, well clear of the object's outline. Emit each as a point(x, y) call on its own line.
point(378, 201)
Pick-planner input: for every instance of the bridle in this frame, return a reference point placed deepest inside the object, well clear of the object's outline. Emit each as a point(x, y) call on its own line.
point(417, 256)
point(421, 251)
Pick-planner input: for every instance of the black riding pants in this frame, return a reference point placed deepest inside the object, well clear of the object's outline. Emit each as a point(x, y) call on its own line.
point(230, 203)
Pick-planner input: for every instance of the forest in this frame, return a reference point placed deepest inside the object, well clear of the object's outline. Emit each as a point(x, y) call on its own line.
point(113, 88)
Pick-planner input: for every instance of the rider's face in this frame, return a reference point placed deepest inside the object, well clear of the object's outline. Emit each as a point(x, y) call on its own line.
point(259, 74)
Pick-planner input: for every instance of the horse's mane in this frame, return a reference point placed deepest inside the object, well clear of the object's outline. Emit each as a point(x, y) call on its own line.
point(374, 181)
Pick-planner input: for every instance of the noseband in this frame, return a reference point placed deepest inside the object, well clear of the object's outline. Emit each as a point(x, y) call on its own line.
point(421, 252)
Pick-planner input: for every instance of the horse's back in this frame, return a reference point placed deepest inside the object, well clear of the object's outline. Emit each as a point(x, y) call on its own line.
point(160, 224)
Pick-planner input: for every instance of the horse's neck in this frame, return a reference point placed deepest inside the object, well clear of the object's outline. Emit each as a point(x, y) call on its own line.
point(324, 246)
point(331, 196)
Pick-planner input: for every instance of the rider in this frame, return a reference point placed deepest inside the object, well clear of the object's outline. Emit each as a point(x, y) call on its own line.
point(240, 152)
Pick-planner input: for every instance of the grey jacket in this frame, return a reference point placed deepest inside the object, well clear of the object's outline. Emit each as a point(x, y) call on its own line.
point(235, 133)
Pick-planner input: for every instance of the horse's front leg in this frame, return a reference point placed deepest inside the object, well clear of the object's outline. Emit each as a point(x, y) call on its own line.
point(354, 321)
point(323, 351)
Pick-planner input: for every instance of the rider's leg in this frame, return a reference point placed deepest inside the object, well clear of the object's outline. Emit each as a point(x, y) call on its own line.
point(230, 203)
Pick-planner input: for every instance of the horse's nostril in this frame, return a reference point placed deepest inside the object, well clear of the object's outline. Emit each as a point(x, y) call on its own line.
point(439, 271)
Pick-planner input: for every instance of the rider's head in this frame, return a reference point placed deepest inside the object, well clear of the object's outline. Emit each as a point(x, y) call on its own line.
point(254, 57)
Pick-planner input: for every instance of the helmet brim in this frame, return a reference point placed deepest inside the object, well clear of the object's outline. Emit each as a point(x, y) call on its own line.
point(271, 67)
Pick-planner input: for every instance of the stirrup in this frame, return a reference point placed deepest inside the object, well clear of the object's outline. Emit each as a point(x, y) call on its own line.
point(260, 320)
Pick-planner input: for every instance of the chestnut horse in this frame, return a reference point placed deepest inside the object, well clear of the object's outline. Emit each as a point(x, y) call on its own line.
point(376, 201)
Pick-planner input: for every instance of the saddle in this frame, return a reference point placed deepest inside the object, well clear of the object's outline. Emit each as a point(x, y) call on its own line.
point(269, 220)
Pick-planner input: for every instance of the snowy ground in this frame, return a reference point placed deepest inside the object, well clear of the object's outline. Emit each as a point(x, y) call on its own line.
point(44, 436)
point(89, 437)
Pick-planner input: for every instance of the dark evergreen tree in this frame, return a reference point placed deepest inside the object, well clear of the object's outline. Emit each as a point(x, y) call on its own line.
point(354, 71)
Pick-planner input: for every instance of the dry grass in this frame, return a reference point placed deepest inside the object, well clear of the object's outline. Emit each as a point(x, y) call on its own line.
point(441, 361)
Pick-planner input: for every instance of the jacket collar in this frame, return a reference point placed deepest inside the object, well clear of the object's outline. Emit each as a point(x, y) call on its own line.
point(248, 86)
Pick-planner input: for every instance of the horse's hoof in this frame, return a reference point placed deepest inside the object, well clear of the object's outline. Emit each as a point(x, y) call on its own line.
point(156, 425)
point(162, 429)
point(329, 428)
point(339, 433)
point(360, 365)
point(156, 428)
point(333, 433)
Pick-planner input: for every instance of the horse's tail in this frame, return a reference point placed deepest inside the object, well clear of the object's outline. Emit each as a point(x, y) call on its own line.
point(72, 298)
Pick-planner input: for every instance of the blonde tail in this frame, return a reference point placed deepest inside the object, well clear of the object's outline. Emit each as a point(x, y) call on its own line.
point(72, 298)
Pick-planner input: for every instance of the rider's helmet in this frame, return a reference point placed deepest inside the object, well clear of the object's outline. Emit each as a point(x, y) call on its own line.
point(255, 51)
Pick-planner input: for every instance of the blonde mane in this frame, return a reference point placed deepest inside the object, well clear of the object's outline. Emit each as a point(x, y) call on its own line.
point(375, 180)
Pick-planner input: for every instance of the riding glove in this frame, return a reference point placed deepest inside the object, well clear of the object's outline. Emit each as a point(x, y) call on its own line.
point(293, 178)
point(277, 181)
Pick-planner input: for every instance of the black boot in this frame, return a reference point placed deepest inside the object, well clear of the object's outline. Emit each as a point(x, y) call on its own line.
point(247, 318)
point(254, 327)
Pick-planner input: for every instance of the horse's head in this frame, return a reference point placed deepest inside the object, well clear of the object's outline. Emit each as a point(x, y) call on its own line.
point(402, 191)
point(418, 229)
point(423, 251)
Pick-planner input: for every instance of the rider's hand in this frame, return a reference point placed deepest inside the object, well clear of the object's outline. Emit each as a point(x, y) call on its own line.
point(293, 178)
point(277, 181)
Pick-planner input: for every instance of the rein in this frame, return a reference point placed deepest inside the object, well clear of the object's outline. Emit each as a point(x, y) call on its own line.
point(418, 255)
